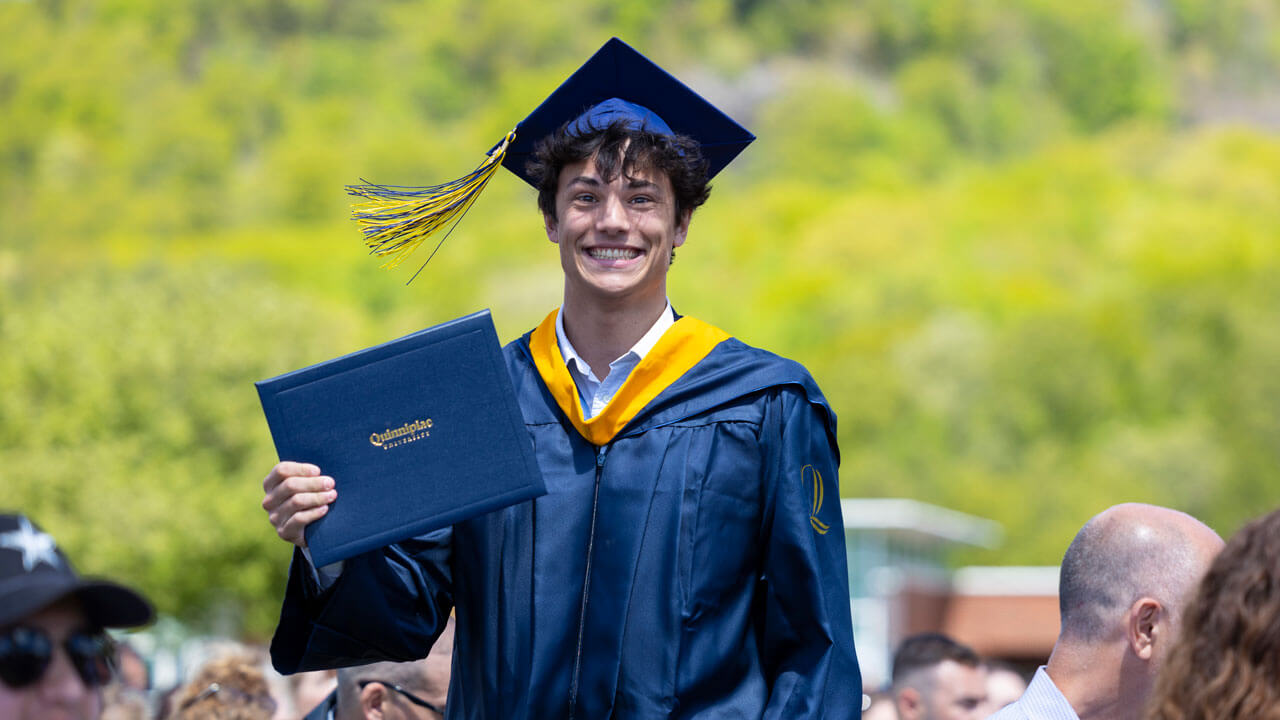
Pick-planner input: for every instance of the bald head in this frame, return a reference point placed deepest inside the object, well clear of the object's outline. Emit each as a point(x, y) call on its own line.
point(1125, 553)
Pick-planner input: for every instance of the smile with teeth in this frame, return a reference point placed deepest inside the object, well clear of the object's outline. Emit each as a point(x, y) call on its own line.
point(613, 253)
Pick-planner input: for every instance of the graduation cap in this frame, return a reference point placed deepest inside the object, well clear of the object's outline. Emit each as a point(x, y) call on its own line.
point(615, 84)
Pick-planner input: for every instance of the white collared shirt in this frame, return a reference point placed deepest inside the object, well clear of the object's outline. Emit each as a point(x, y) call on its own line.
point(594, 393)
point(1042, 700)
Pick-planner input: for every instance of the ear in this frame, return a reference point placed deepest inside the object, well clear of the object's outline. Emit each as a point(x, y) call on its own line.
point(1144, 627)
point(682, 228)
point(373, 698)
point(549, 225)
point(910, 704)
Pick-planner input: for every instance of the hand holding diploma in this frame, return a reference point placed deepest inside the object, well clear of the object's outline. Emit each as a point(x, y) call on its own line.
point(424, 431)
point(296, 495)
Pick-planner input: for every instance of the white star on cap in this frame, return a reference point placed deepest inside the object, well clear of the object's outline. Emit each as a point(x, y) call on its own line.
point(36, 547)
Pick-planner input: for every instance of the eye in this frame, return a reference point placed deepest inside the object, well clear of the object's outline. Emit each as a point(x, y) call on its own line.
point(641, 200)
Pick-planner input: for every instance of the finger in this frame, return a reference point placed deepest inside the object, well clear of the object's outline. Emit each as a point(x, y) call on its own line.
point(307, 501)
point(295, 529)
point(293, 486)
point(287, 469)
point(302, 502)
point(298, 509)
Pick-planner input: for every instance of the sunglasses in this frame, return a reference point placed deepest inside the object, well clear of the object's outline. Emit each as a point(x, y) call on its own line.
point(26, 652)
point(410, 696)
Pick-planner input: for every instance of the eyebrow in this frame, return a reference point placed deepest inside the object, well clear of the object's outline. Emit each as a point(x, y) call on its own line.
point(583, 180)
point(632, 183)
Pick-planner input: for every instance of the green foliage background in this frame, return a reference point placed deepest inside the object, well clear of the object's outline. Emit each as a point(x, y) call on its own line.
point(1028, 248)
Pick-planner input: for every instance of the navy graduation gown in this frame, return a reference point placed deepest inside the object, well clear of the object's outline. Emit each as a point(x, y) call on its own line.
point(692, 565)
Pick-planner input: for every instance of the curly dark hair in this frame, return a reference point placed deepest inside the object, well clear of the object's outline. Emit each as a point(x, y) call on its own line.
point(1226, 661)
point(619, 148)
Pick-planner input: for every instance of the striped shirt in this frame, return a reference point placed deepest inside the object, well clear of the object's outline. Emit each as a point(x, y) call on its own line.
point(1041, 701)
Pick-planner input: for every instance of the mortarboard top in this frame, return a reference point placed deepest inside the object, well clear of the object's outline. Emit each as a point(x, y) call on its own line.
point(615, 83)
point(618, 71)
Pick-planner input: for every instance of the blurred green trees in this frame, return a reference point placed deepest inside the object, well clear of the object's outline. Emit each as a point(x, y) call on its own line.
point(129, 431)
point(1023, 246)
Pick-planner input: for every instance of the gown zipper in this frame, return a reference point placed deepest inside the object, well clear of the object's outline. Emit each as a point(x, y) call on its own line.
point(586, 584)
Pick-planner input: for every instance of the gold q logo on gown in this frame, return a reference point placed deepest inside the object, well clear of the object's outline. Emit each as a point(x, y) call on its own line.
point(809, 471)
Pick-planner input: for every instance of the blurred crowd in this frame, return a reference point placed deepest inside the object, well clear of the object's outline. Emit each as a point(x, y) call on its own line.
point(58, 662)
point(1160, 620)
point(238, 683)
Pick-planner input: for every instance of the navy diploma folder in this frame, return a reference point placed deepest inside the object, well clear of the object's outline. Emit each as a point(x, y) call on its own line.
point(418, 433)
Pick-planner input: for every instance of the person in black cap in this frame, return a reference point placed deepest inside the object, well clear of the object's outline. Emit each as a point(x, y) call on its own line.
point(688, 559)
point(54, 655)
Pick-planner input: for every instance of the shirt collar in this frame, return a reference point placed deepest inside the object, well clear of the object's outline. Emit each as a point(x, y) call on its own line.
point(640, 349)
point(1043, 699)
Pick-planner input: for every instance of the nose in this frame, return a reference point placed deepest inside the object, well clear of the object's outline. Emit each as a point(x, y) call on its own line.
point(62, 688)
point(613, 217)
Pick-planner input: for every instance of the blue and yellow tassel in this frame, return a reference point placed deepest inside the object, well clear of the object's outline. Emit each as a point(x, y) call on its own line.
point(397, 219)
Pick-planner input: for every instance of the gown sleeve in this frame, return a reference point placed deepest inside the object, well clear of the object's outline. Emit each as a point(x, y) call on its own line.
point(807, 637)
point(388, 604)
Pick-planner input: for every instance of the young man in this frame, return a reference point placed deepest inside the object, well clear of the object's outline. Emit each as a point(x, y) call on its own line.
point(54, 655)
point(937, 678)
point(688, 558)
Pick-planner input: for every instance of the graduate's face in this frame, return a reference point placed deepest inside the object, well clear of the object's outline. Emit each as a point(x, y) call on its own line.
point(615, 237)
